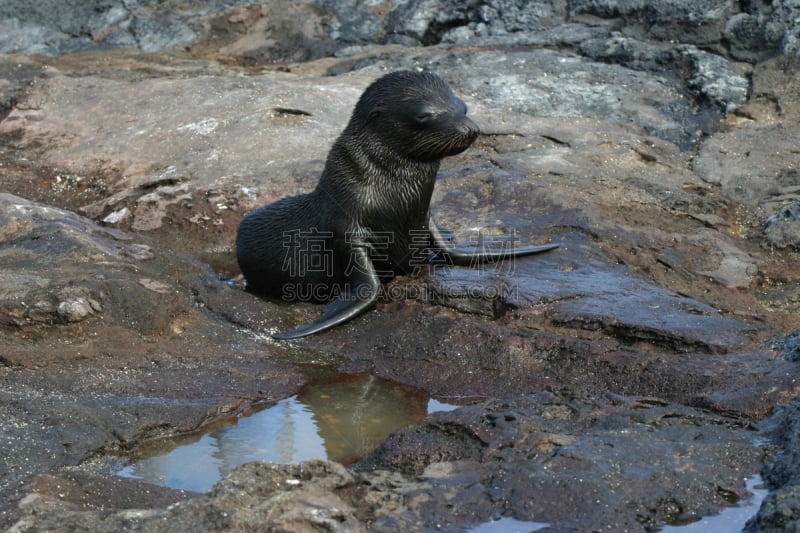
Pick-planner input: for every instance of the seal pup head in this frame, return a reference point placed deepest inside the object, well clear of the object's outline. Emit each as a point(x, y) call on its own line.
point(414, 115)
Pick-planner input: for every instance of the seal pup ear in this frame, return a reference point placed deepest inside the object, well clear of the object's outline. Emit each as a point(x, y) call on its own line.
point(374, 113)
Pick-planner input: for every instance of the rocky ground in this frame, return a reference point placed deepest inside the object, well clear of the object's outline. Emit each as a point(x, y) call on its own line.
point(636, 376)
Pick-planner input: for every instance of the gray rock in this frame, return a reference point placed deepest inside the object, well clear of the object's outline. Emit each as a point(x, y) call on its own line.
point(785, 17)
point(58, 27)
point(47, 237)
point(280, 31)
point(755, 159)
point(16, 76)
point(699, 23)
point(656, 294)
point(779, 513)
point(424, 21)
point(713, 78)
point(77, 305)
point(453, 468)
point(610, 299)
point(255, 497)
point(709, 78)
point(753, 37)
point(788, 344)
point(89, 292)
point(478, 450)
point(782, 229)
point(764, 29)
point(250, 114)
point(780, 510)
point(550, 83)
point(514, 16)
point(355, 24)
point(433, 21)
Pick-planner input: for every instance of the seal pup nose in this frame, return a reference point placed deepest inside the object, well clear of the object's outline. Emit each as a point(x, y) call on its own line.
point(470, 129)
point(474, 131)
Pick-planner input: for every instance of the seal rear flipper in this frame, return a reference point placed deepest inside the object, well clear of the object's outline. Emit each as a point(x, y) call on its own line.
point(468, 256)
point(363, 286)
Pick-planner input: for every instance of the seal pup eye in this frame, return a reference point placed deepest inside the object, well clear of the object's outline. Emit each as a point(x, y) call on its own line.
point(424, 116)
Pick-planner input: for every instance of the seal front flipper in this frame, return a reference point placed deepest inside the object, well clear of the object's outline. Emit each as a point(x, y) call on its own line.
point(360, 292)
point(467, 256)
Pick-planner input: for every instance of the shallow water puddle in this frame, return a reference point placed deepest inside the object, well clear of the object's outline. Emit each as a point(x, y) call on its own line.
point(341, 418)
point(507, 524)
point(730, 519)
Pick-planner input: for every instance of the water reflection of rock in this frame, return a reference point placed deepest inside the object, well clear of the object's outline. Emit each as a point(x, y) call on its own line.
point(355, 413)
point(283, 433)
point(341, 419)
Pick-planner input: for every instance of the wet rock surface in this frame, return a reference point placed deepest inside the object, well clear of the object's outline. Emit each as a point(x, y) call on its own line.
point(779, 510)
point(256, 496)
point(542, 458)
point(635, 366)
point(575, 462)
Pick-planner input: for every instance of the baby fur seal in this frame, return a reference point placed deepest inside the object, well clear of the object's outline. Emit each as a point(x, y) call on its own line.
point(367, 219)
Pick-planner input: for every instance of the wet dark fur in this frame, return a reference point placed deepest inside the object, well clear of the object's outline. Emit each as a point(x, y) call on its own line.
point(375, 191)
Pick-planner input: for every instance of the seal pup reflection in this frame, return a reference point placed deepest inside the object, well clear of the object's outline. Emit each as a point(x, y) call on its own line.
point(368, 218)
